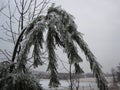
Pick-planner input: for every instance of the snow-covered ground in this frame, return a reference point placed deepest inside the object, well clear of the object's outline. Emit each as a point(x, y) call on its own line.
point(85, 84)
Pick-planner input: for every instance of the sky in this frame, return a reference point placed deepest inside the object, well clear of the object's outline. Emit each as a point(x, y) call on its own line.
point(99, 21)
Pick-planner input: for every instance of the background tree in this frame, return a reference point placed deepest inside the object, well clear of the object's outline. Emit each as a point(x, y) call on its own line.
point(18, 13)
point(114, 75)
point(118, 73)
point(114, 84)
point(17, 16)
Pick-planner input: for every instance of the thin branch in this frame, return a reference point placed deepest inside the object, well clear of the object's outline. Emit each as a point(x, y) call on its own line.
point(25, 3)
point(8, 53)
point(13, 14)
point(42, 7)
point(29, 58)
point(11, 24)
point(2, 8)
point(8, 29)
point(40, 4)
point(29, 16)
point(6, 40)
point(62, 63)
point(15, 18)
point(7, 23)
point(7, 34)
point(45, 2)
point(21, 2)
point(34, 9)
point(17, 6)
point(5, 54)
point(28, 7)
point(19, 26)
point(5, 28)
point(5, 15)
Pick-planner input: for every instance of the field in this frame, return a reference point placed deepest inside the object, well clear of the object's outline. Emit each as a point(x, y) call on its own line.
point(85, 84)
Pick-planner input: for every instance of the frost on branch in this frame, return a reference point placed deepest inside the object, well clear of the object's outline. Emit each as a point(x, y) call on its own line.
point(61, 32)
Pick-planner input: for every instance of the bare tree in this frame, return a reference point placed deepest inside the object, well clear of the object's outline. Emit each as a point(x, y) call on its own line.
point(18, 14)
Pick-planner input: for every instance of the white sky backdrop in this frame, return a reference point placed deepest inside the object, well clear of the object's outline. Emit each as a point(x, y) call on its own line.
point(99, 21)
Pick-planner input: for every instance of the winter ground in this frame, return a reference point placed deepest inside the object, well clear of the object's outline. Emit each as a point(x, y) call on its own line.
point(85, 84)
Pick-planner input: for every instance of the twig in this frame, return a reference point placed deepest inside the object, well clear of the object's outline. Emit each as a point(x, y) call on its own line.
point(62, 63)
point(17, 6)
point(28, 7)
point(8, 53)
point(2, 8)
point(4, 54)
point(8, 29)
point(34, 9)
point(10, 20)
point(5, 40)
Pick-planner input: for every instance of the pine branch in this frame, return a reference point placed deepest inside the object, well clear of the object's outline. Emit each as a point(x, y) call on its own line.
point(54, 82)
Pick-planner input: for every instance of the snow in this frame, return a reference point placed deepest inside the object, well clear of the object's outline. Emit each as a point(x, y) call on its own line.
point(65, 85)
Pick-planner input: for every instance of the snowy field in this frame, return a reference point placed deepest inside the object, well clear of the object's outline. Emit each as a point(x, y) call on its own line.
point(85, 84)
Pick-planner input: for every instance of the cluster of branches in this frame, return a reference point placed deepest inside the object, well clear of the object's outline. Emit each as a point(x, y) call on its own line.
point(18, 14)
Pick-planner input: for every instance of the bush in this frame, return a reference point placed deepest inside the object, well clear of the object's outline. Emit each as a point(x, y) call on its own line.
point(15, 80)
point(19, 81)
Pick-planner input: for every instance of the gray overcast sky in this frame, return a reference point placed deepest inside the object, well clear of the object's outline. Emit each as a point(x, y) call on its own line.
point(99, 21)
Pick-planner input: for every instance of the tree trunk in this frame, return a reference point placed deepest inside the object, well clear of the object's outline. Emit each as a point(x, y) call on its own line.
point(71, 84)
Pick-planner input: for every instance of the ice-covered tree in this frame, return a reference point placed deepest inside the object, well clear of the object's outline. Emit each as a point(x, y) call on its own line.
point(61, 32)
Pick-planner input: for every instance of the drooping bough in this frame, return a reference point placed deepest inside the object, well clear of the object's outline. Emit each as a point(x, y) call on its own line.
point(61, 31)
